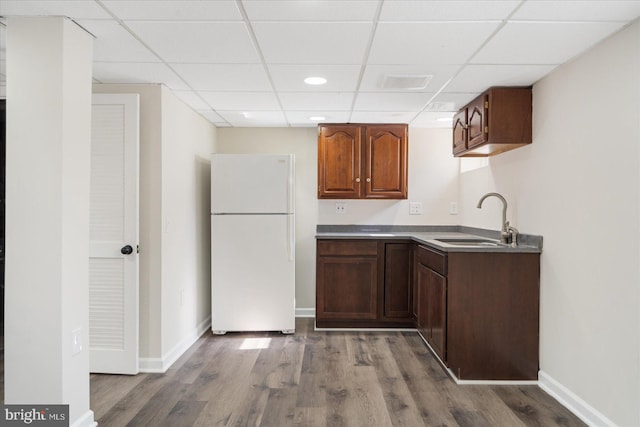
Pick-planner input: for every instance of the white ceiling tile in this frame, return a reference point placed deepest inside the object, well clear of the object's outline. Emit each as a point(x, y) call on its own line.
point(477, 78)
point(433, 120)
point(374, 75)
point(386, 101)
point(224, 77)
point(449, 10)
point(290, 78)
point(317, 10)
point(183, 10)
point(241, 101)
point(542, 42)
point(382, 117)
point(305, 101)
point(115, 44)
point(192, 99)
point(198, 42)
point(76, 9)
point(303, 118)
point(449, 102)
point(254, 118)
point(428, 43)
point(137, 72)
point(312, 42)
point(608, 10)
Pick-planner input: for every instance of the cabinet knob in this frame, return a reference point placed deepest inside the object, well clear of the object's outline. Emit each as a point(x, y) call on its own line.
point(357, 179)
point(368, 179)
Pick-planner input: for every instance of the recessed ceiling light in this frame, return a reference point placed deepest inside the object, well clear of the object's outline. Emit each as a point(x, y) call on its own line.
point(317, 118)
point(315, 81)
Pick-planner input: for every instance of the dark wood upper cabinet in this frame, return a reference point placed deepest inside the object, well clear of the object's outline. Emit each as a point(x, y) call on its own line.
point(386, 162)
point(339, 161)
point(496, 121)
point(360, 161)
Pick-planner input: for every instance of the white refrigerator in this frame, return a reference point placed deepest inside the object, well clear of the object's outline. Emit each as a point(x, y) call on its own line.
point(252, 243)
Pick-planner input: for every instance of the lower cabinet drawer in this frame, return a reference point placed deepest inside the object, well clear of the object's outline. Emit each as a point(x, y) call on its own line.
point(436, 261)
point(347, 248)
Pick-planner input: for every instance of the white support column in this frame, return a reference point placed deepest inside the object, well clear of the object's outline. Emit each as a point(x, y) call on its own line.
point(47, 217)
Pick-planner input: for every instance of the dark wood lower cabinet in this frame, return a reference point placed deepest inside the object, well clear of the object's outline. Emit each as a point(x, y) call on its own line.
point(493, 315)
point(432, 297)
point(437, 312)
point(478, 311)
point(398, 298)
point(363, 284)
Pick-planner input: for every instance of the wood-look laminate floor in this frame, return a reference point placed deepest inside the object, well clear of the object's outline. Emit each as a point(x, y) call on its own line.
point(315, 378)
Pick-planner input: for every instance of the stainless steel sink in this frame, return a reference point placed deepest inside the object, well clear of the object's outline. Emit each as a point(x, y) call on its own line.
point(471, 242)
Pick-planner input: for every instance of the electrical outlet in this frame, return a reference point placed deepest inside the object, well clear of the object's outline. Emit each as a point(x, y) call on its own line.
point(415, 208)
point(453, 208)
point(76, 341)
point(341, 207)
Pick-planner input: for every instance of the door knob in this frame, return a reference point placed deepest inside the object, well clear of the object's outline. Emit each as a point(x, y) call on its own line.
point(126, 250)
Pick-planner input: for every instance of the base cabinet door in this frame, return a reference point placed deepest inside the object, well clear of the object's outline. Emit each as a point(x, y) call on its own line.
point(347, 288)
point(437, 318)
point(422, 305)
point(398, 301)
point(347, 282)
point(431, 319)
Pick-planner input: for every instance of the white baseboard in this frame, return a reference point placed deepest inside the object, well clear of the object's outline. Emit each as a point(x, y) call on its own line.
point(86, 420)
point(160, 365)
point(572, 402)
point(305, 312)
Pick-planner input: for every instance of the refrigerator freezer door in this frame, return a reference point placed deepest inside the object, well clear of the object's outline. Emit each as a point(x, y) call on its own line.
point(252, 273)
point(243, 183)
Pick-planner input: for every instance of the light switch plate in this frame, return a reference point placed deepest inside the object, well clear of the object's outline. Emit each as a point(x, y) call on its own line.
point(453, 208)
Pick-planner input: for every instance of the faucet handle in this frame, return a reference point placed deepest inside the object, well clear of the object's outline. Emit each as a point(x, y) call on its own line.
point(512, 232)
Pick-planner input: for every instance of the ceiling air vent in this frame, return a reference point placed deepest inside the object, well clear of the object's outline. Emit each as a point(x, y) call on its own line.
point(405, 81)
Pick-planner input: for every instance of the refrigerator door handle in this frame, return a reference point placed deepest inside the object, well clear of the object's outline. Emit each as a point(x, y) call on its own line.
point(291, 232)
point(291, 224)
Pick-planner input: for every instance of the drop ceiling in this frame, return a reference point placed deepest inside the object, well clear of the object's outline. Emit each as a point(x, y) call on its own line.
point(242, 63)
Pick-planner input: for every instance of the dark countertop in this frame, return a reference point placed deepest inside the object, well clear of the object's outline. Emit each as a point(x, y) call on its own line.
point(429, 234)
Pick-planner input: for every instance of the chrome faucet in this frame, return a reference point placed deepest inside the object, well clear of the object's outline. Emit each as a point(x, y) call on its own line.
point(508, 234)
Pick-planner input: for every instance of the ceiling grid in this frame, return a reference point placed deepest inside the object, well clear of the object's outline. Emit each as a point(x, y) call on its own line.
point(242, 63)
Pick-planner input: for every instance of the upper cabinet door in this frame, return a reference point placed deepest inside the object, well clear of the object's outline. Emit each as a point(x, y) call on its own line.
point(386, 161)
point(477, 121)
point(339, 161)
point(460, 131)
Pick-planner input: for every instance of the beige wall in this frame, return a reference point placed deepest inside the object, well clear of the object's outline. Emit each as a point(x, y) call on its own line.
point(187, 143)
point(578, 185)
point(433, 181)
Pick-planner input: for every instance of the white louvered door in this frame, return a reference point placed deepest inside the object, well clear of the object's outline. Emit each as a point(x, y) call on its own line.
point(113, 273)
